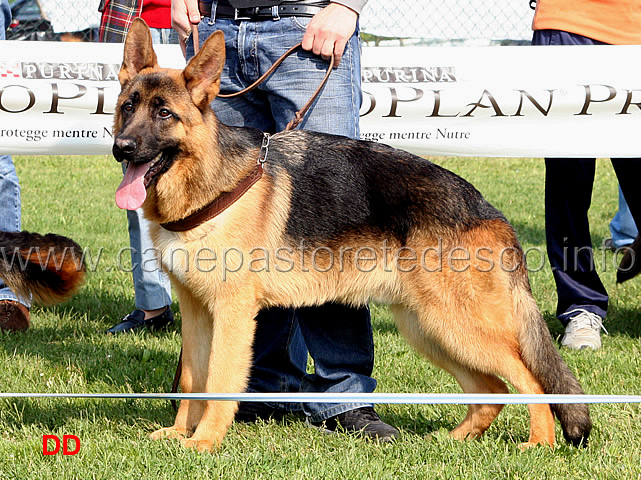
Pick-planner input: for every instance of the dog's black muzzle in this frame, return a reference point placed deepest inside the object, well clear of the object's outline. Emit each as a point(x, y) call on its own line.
point(124, 148)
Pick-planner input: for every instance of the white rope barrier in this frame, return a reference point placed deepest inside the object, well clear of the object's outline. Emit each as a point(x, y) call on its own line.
point(390, 398)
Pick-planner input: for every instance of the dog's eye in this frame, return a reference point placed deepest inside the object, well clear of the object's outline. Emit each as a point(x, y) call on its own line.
point(127, 107)
point(164, 113)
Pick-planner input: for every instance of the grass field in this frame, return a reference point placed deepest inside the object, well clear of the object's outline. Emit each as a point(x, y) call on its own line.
point(66, 351)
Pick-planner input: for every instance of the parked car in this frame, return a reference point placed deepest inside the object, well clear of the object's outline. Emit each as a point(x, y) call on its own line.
point(29, 23)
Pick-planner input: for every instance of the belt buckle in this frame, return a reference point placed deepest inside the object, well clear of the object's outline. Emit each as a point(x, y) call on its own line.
point(239, 17)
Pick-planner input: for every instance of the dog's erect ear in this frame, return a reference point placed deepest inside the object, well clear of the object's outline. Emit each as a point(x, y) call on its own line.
point(202, 74)
point(139, 52)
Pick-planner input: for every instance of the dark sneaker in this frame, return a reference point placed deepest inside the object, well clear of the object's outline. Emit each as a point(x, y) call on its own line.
point(363, 421)
point(14, 316)
point(136, 321)
point(249, 412)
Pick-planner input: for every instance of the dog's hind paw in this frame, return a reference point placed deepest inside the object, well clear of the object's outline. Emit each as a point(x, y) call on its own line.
point(170, 433)
point(527, 445)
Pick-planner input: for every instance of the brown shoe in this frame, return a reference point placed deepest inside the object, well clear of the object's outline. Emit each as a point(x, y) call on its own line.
point(14, 316)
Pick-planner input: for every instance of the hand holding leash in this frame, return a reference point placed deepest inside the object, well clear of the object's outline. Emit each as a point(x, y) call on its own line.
point(185, 17)
point(329, 31)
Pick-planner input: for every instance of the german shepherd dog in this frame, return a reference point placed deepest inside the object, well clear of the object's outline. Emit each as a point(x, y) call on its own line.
point(49, 268)
point(349, 221)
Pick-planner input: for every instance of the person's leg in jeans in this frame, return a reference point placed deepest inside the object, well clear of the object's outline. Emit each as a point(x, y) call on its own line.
point(582, 299)
point(14, 312)
point(343, 363)
point(152, 288)
point(628, 171)
point(623, 227)
point(280, 354)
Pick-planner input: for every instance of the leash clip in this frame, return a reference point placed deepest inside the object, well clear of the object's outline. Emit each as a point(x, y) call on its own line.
point(264, 149)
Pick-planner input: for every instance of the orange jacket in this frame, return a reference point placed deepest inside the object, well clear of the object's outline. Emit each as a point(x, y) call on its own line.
point(611, 21)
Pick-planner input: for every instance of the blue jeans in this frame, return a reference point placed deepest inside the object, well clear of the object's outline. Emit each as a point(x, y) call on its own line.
point(568, 194)
point(339, 338)
point(5, 18)
point(152, 287)
point(622, 227)
point(10, 206)
point(164, 35)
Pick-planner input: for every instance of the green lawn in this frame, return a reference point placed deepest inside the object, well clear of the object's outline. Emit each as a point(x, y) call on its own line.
point(66, 351)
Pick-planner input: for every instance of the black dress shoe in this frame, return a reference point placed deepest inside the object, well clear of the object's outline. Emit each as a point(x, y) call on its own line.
point(363, 421)
point(136, 321)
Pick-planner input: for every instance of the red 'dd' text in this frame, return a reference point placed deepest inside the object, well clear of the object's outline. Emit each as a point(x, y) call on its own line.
point(48, 440)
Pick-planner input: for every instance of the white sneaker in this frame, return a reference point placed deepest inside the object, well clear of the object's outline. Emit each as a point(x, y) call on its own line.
point(583, 330)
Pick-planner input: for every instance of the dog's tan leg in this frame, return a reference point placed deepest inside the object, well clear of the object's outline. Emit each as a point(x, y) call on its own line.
point(505, 361)
point(479, 417)
point(196, 333)
point(228, 366)
point(482, 339)
point(541, 418)
point(509, 366)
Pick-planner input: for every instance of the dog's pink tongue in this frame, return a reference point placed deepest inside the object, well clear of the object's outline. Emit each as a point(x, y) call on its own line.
point(131, 192)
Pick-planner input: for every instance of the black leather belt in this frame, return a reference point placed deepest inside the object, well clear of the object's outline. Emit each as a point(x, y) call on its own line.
point(261, 13)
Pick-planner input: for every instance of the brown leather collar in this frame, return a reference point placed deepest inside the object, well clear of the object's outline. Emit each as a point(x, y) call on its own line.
point(225, 199)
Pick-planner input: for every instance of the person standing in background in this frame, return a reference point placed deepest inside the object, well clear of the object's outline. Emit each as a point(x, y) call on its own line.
point(151, 286)
point(338, 337)
point(622, 227)
point(14, 311)
point(582, 298)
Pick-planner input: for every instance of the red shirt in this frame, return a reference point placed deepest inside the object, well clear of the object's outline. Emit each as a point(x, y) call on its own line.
point(157, 13)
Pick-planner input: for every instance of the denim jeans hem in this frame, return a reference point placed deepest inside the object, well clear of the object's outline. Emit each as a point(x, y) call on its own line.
point(6, 294)
point(285, 406)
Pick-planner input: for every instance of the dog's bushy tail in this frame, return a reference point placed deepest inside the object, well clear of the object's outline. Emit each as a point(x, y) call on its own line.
point(49, 267)
point(630, 265)
point(542, 358)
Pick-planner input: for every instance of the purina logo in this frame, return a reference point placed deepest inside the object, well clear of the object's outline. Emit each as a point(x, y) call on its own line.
point(10, 70)
point(98, 72)
point(408, 74)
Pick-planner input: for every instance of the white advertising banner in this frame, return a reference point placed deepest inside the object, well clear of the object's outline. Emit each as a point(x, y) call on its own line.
point(58, 98)
point(521, 101)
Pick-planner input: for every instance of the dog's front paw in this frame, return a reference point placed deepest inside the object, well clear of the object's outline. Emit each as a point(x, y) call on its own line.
point(170, 432)
point(202, 445)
